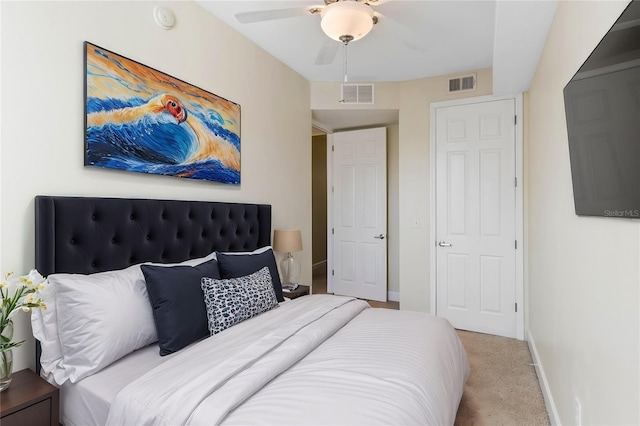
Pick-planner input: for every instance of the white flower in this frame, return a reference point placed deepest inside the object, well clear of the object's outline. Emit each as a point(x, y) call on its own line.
point(18, 294)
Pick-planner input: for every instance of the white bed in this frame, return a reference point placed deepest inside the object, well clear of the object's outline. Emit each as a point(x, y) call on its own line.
point(318, 359)
point(382, 367)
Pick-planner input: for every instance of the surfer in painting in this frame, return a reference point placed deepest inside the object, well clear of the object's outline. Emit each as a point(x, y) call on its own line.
point(156, 105)
point(209, 144)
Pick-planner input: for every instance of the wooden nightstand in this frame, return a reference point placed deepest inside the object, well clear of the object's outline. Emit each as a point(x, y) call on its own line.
point(302, 290)
point(29, 400)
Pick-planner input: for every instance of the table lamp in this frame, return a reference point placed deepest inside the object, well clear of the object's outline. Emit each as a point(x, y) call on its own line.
point(287, 241)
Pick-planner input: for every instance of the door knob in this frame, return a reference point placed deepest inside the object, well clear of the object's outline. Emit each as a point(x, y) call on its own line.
point(380, 237)
point(444, 244)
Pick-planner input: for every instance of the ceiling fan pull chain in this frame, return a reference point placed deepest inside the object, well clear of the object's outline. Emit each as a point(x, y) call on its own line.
point(345, 39)
point(345, 66)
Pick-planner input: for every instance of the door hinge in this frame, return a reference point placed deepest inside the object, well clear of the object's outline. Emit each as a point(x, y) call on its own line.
point(332, 272)
point(515, 119)
point(333, 231)
point(332, 189)
point(516, 181)
point(333, 148)
point(516, 307)
point(516, 244)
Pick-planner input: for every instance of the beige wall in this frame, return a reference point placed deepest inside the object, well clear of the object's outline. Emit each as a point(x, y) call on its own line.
point(415, 244)
point(319, 198)
point(583, 272)
point(408, 246)
point(42, 116)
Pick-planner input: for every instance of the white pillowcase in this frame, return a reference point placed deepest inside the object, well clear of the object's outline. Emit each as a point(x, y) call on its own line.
point(94, 320)
point(44, 323)
point(101, 318)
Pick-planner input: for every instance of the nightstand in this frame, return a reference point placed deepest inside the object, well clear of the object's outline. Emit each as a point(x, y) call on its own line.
point(29, 400)
point(302, 290)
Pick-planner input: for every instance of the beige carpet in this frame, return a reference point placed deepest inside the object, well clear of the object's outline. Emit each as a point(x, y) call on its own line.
point(503, 388)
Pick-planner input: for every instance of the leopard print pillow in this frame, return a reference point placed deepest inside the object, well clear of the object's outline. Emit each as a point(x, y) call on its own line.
point(233, 300)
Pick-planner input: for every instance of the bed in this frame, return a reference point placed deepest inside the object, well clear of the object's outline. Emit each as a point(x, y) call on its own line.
point(123, 338)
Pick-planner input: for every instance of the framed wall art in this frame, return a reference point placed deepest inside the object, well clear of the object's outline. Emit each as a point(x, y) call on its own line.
point(143, 120)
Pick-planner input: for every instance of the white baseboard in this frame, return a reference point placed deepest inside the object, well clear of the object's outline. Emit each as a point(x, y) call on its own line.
point(393, 296)
point(544, 385)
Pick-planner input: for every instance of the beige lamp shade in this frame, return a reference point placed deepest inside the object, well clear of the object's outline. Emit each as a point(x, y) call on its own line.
point(287, 240)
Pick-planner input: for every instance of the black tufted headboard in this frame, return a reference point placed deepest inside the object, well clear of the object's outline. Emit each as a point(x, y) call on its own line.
point(86, 234)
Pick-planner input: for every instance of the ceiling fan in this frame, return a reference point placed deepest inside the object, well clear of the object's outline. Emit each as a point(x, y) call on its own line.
point(341, 20)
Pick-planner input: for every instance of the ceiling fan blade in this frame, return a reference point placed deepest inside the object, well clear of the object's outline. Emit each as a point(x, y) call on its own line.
point(400, 32)
point(328, 52)
point(268, 15)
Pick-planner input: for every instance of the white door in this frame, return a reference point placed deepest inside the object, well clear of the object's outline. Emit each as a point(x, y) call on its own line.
point(360, 214)
point(475, 216)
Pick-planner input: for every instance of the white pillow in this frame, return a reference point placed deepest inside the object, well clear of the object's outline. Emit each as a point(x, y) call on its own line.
point(48, 328)
point(101, 318)
point(44, 323)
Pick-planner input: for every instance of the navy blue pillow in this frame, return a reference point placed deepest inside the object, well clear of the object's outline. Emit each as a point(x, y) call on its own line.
point(178, 304)
point(240, 265)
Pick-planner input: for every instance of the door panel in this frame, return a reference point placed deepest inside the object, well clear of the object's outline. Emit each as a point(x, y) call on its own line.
point(475, 214)
point(360, 214)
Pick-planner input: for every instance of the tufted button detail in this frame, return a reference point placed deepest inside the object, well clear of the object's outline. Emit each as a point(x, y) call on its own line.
point(113, 241)
point(72, 241)
point(93, 217)
point(132, 216)
point(94, 264)
point(148, 237)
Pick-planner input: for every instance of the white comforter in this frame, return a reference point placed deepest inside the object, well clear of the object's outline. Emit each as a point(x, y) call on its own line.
point(315, 360)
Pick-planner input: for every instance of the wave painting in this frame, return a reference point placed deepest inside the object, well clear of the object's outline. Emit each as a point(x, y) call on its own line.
point(142, 120)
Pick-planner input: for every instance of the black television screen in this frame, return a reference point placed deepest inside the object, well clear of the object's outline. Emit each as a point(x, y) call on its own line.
point(602, 105)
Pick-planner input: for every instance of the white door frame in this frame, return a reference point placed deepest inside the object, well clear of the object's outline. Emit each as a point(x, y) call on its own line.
point(329, 212)
point(329, 131)
point(520, 328)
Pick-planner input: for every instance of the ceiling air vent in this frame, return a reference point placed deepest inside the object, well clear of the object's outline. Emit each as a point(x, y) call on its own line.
point(357, 94)
point(463, 83)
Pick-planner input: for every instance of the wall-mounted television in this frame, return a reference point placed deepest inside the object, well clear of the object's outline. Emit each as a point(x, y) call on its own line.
point(602, 105)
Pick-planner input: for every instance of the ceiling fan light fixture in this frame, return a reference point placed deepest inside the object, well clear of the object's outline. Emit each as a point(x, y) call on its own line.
point(347, 18)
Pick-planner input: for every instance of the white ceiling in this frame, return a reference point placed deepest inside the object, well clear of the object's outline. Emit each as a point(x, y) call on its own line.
point(413, 39)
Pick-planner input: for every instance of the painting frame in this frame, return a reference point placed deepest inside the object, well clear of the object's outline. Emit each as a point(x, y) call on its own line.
point(140, 119)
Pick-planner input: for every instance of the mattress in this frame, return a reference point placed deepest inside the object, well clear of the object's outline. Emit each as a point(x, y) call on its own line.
point(88, 401)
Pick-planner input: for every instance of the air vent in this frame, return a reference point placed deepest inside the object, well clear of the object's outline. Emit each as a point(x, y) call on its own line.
point(465, 83)
point(357, 94)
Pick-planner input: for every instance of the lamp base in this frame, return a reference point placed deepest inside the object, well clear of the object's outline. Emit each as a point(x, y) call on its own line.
point(290, 270)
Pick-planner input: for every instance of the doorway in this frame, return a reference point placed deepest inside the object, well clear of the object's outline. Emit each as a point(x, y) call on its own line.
point(319, 210)
point(326, 122)
point(358, 212)
point(477, 279)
